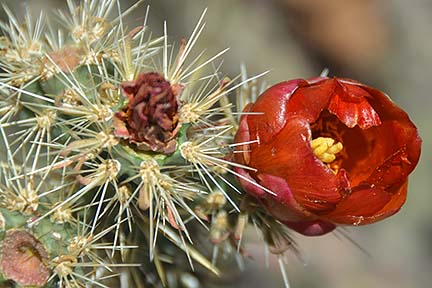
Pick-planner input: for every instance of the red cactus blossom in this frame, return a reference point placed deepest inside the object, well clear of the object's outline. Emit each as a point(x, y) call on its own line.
point(333, 151)
point(150, 119)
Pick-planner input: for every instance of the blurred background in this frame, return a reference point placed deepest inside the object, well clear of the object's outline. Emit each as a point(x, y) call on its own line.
point(381, 43)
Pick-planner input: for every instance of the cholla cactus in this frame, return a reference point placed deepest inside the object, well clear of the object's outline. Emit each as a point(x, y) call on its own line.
point(116, 155)
point(125, 162)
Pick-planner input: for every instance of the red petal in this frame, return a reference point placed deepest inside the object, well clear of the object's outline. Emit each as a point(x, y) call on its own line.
point(350, 104)
point(248, 183)
point(283, 206)
point(272, 108)
point(360, 206)
point(406, 133)
point(393, 206)
point(289, 156)
point(368, 150)
point(310, 100)
point(392, 172)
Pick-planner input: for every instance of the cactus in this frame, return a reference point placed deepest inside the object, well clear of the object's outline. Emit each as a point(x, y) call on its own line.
point(116, 155)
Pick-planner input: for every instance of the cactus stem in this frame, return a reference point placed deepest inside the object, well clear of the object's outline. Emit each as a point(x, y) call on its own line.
point(88, 195)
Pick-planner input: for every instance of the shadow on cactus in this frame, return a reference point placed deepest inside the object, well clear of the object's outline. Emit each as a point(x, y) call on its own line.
point(117, 156)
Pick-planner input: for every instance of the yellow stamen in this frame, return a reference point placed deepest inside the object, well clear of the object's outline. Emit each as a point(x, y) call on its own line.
point(326, 149)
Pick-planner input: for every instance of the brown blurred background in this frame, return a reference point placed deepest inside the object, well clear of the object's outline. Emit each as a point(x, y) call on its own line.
point(385, 44)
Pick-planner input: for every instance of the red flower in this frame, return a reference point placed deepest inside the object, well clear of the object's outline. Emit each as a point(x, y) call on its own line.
point(334, 151)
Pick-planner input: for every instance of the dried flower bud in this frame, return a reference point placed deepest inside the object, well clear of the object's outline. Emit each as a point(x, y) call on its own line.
point(150, 119)
point(23, 259)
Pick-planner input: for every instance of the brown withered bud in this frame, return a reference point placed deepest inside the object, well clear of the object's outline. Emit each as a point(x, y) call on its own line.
point(23, 259)
point(150, 119)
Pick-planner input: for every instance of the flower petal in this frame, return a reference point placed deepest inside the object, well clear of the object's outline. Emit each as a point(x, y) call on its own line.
point(248, 183)
point(369, 150)
point(313, 184)
point(393, 206)
point(406, 133)
point(272, 108)
point(309, 100)
point(350, 104)
point(283, 205)
point(360, 207)
point(393, 172)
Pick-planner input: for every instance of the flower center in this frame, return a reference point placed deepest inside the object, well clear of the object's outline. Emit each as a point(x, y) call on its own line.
point(326, 149)
point(328, 134)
